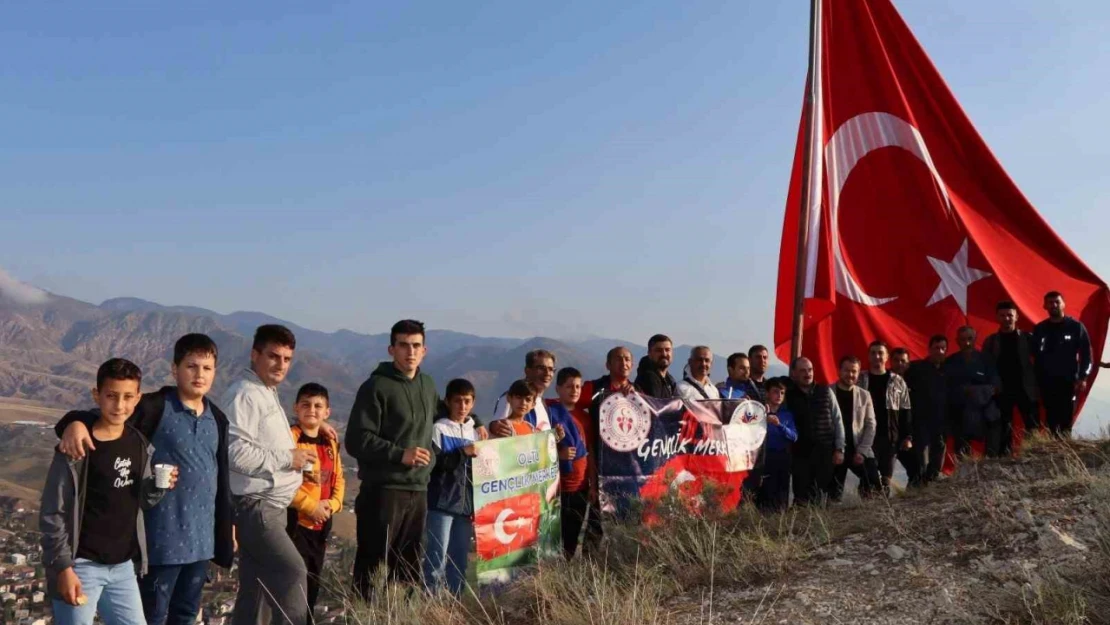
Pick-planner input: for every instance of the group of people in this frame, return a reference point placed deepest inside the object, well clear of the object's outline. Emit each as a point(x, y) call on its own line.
point(241, 479)
point(909, 411)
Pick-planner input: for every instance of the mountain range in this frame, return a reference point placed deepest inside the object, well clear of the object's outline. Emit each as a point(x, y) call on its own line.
point(51, 346)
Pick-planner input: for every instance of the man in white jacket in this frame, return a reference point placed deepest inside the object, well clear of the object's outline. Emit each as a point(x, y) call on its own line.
point(696, 385)
point(858, 414)
point(265, 474)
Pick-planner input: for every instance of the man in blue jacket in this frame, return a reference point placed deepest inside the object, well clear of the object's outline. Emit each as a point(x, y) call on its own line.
point(1062, 359)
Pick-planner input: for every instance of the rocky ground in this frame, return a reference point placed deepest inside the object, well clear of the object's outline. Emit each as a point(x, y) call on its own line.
point(1022, 540)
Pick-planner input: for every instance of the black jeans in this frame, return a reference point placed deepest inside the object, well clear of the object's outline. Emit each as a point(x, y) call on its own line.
point(312, 545)
point(390, 529)
point(574, 515)
point(868, 474)
point(926, 457)
point(774, 492)
point(1058, 397)
point(812, 470)
point(1008, 402)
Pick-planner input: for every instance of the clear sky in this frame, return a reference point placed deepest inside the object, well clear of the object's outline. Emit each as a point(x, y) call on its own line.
point(503, 168)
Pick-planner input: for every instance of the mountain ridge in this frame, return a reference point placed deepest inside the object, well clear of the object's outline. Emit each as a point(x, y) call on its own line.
point(50, 349)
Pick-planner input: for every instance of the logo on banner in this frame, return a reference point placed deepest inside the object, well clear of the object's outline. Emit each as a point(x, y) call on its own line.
point(625, 421)
point(748, 411)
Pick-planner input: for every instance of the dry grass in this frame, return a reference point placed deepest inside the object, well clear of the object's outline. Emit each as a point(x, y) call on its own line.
point(637, 571)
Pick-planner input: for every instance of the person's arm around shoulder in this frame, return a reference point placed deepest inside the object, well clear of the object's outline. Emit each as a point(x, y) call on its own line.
point(74, 429)
point(500, 427)
point(244, 414)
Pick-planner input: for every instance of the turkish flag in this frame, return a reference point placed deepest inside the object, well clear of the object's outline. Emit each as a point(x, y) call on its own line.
point(505, 526)
point(915, 228)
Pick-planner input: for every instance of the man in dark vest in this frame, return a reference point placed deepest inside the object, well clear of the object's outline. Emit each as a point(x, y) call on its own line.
point(820, 445)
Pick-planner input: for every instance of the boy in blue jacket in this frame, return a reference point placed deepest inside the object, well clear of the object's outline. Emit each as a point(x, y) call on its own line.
point(450, 525)
point(774, 491)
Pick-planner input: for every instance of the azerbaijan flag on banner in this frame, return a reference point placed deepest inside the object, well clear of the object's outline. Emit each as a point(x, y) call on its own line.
point(651, 447)
point(516, 504)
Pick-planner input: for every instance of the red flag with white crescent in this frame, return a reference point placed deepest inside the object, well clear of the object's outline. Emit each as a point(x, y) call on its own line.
point(915, 228)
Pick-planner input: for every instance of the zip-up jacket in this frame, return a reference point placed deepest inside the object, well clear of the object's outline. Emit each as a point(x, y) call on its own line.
point(146, 419)
point(308, 496)
point(450, 488)
point(392, 413)
point(731, 389)
point(63, 508)
point(1062, 350)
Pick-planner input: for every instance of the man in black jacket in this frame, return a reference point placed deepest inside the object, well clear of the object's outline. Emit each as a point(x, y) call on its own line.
point(929, 397)
point(652, 377)
point(820, 445)
point(1062, 357)
point(192, 525)
point(1010, 350)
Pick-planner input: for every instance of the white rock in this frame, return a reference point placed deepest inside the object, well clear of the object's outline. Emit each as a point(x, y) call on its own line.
point(895, 552)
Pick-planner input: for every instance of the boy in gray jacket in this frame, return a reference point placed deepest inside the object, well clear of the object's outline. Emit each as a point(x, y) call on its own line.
point(91, 516)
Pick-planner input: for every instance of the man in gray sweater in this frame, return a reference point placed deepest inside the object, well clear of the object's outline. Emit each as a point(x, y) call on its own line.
point(265, 474)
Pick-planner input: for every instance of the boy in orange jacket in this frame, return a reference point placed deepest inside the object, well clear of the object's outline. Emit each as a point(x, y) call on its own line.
point(321, 493)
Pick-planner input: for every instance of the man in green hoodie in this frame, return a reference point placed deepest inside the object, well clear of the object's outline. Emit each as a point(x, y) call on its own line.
point(390, 435)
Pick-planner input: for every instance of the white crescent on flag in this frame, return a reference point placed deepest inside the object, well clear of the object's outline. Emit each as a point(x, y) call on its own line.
point(499, 527)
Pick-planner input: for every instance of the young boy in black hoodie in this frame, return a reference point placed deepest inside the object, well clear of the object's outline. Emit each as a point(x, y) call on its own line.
point(91, 517)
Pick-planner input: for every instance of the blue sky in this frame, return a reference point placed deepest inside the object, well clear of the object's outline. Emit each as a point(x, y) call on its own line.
point(507, 168)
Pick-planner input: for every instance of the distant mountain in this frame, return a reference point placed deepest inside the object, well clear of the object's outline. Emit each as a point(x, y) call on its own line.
point(49, 351)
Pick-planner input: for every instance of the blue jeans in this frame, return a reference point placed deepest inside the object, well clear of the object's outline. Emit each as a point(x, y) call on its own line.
point(112, 591)
point(171, 593)
point(447, 549)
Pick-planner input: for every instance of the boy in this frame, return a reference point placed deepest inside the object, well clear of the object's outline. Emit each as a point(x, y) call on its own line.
point(573, 421)
point(450, 525)
point(321, 492)
point(521, 400)
point(192, 525)
point(774, 492)
point(91, 516)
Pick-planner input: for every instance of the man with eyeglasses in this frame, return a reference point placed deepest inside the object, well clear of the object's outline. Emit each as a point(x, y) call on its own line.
point(539, 371)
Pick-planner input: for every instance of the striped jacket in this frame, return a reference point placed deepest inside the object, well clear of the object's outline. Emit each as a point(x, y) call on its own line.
point(308, 495)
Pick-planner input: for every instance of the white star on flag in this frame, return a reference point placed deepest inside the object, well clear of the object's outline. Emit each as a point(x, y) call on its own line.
point(955, 277)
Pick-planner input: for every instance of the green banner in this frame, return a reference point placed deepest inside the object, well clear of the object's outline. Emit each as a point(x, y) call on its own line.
point(516, 504)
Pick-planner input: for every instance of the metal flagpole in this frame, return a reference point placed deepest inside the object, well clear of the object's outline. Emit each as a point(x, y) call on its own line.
point(813, 108)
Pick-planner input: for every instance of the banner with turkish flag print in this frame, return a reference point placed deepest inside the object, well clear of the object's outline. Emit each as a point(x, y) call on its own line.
point(651, 448)
point(914, 227)
point(516, 503)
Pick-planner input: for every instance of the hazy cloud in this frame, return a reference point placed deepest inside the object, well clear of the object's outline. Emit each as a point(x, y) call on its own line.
point(21, 292)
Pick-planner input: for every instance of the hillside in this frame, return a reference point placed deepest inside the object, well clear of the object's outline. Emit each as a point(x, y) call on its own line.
point(1015, 541)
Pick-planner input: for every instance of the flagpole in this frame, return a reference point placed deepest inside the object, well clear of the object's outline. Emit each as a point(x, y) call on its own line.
point(800, 265)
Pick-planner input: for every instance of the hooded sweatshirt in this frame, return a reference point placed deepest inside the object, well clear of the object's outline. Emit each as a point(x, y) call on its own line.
point(391, 414)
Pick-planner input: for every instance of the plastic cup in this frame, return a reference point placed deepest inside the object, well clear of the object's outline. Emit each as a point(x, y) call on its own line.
point(162, 474)
point(307, 468)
